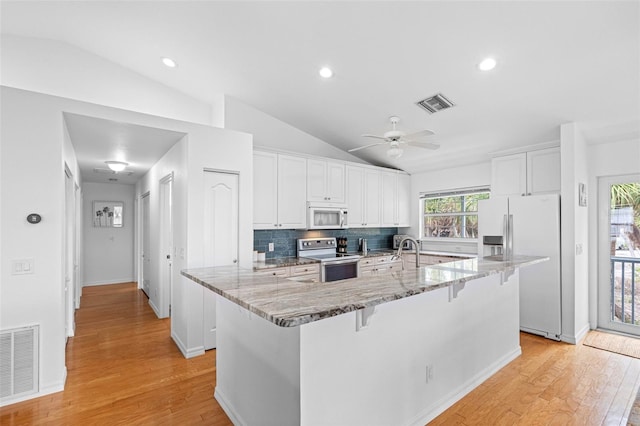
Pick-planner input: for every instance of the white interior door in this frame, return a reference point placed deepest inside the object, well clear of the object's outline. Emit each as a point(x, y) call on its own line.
point(77, 247)
point(166, 245)
point(619, 254)
point(220, 236)
point(145, 255)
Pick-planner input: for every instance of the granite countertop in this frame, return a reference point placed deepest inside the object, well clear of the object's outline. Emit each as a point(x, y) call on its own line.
point(281, 262)
point(290, 302)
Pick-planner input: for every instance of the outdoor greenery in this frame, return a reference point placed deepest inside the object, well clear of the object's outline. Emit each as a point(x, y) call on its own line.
point(627, 195)
point(453, 216)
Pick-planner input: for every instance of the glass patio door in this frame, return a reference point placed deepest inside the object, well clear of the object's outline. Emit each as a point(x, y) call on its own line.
point(619, 254)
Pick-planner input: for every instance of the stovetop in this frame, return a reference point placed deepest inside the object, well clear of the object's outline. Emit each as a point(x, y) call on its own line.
point(323, 249)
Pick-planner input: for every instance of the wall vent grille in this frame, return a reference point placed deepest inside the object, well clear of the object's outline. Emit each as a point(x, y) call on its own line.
point(435, 103)
point(19, 362)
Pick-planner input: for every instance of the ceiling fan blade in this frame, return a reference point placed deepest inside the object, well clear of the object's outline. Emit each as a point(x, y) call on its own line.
point(427, 145)
point(418, 135)
point(366, 146)
point(374, 136)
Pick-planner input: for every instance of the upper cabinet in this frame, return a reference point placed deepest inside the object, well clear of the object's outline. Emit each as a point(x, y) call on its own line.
point(325, 181)
point(396, 190)
point(527, 173)
point(279, 191)
point(363, 197)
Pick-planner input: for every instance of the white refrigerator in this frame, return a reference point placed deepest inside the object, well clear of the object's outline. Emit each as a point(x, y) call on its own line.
point(534, 224)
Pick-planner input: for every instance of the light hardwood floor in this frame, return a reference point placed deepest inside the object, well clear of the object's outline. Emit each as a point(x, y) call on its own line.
point(123, 368)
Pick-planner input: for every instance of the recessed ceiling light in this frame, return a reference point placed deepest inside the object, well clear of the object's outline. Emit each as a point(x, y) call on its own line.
point(487, 64)
point(325, 72)
point(169, 62)
point(116, 166)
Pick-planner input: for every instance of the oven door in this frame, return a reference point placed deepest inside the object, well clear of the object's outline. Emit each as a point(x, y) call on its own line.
point(339, 270)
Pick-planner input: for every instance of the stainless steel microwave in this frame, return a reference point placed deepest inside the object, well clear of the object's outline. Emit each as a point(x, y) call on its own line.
point(326, 216)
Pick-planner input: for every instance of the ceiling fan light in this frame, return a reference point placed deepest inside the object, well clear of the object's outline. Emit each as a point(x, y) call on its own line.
point(116, 166)
point(395, 152)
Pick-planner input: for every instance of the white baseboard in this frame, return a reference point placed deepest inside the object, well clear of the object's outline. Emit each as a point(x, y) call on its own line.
point(187, 352)
point(227, 407)
point(154, 308)
point(111, 281)
point(440, 406)
point(44, 390)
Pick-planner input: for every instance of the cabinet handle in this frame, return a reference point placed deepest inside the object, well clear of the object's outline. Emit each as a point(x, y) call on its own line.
point(523, 194)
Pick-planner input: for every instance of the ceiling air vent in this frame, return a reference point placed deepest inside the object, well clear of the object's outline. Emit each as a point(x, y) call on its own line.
point(111, 172)
point(435, 103)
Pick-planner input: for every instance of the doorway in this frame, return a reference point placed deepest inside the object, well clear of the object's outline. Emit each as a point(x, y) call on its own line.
point(619, 254)
point(220, 236)
point(69, 253)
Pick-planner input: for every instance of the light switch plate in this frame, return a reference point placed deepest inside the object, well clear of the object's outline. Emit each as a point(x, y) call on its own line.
point(22, 266)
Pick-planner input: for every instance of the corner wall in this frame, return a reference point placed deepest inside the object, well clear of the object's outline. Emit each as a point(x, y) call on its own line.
point(574, 223)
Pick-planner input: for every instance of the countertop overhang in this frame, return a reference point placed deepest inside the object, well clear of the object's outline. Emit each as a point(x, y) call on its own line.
point(290, 302)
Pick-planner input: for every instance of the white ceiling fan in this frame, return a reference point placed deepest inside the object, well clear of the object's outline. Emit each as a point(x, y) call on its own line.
point(395, 138)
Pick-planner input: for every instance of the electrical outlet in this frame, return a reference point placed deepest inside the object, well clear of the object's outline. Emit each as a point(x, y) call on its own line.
point(271, 247)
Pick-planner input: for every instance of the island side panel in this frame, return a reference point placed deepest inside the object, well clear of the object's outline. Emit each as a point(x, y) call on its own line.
point(257, 368)
point(379, 375)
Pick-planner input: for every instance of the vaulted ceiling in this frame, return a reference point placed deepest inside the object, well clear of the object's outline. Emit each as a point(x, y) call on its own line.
point(557, 62)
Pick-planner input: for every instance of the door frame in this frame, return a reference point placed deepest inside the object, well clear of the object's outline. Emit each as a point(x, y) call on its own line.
point(69, 252)
point(604, 255)
point(166, 234)
point(141, 227)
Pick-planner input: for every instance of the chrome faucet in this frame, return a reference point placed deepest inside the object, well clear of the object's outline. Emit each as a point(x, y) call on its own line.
point(398, 255)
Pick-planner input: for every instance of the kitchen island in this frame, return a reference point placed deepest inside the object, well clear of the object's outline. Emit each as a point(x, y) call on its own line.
point(391, 349)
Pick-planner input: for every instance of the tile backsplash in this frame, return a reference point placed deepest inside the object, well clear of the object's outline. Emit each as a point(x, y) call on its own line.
point(284, 241)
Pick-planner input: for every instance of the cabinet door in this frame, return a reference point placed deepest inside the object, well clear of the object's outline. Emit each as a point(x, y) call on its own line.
point(335, 182)
point(404, 200)
point(355, 196)
point(265, 195)
point(509, 175)
point(292, 194)
point(316, 180)
point(371, 198)
point(389, 199)
point(543, 171)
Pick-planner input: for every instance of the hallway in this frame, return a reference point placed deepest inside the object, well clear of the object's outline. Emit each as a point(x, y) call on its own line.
point(123, 368)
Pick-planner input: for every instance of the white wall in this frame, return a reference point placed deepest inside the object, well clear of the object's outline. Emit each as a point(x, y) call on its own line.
point(605, 159)
point(574, 235)
point(75, 73)
point(32, 181)
point(108, 252)
point(203, 148)
point(270, 132)
point(441, 180)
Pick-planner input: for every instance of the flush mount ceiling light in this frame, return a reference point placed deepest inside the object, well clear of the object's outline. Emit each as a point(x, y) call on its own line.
point(487, 64)
point(169, 62)
point(325, 72)
point(116, 166)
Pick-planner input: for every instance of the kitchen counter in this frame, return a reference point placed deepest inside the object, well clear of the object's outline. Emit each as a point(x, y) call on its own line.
point(284, 347)
point(281, 262)
point(290, 302)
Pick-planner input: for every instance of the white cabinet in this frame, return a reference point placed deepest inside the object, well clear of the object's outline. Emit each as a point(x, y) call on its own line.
point(363, 197)
point(279, 191)
point(526, 173)
point(376, 265)
point(325, 181)
point(396, 193)
point(308, 272)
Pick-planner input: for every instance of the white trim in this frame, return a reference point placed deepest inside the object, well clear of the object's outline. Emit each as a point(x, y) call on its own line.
point(187, 353)
point(227, 407)
point(48, 389)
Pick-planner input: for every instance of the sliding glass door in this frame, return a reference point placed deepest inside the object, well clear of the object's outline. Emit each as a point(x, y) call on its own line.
point(619, 254)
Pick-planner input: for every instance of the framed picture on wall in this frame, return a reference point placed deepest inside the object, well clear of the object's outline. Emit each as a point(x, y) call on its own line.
point(108, 214)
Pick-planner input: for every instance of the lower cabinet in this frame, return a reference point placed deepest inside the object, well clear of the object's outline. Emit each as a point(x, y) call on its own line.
point(310, 271)
point(378, 265)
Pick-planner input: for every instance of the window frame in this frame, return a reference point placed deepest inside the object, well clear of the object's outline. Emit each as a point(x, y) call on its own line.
point(463, 214)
